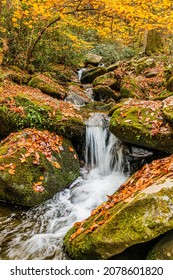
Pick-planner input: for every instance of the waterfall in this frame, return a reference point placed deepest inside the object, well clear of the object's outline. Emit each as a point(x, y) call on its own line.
point(103, 150)
point(38, 233)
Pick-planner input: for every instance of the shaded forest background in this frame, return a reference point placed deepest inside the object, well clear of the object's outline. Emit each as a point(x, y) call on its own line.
point(35, 33)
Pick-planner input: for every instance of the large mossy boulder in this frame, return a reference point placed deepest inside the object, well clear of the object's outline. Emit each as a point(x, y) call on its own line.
point(48, 86)
point(142, 122)
point(35, 165)
point(23, 106)
point(139, 211)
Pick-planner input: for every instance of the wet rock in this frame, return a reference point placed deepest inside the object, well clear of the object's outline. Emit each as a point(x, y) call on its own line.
point(89, 75)
point(139, 211)
point(35, 165)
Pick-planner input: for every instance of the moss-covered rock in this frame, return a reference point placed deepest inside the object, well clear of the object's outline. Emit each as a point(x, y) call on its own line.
point(142, 123)
point(89, 75)
point(163, 250)
point(48, 86)
point(170, 84)
point(139, 211)
point(145, 63)
point(130, 87)
point(167, 108)
point(35, 165)
point(102, 92)
point(108, 79)
point(22, 106)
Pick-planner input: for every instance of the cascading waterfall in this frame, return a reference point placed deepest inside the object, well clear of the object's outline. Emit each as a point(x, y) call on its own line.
point(38, 233)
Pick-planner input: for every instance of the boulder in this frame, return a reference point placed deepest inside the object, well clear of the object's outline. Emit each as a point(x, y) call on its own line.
point(131, 87)
point(93, 59)
point(77, 96)
point(23, 106)
point(90, 74)
point(105, 93)
point(139, 211)
point(142, 122)
point(163, 250)
point(48, 86)
point(108, 79)
point(145, 63)
point(34, 166)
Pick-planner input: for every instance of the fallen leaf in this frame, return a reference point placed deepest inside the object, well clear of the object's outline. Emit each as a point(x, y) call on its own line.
point(71, 149)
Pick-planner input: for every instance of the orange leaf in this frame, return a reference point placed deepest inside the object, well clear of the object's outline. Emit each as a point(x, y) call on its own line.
point(79, 230)
point(2, 167)
point(56, 164)
point(71, 149)
point(11, 171)
point(41, 178)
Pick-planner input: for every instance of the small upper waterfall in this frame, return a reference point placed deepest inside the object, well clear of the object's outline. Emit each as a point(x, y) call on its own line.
point(38, 233)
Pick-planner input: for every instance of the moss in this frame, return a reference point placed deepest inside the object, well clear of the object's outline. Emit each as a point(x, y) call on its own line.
point(144, 218)
point(129, 124)
point(47, 86)
point(17, 188)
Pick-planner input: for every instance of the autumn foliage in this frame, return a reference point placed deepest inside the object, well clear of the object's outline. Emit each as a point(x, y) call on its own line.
point(67, 25)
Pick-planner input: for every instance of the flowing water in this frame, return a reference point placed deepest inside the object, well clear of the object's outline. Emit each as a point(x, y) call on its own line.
point(38, 233)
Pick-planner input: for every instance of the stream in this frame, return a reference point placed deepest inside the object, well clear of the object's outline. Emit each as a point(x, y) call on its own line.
point(37, 233)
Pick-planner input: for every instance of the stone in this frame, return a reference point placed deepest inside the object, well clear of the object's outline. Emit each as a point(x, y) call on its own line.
point(90, 74)
point(48, 86)
point(142, 122)
point(35, 165)
point(105, 93)
point(163, 250)
point(93, 59)
point(139, 211)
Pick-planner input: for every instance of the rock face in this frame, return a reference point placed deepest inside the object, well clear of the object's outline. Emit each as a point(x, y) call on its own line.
point(139, 211)
point(35, 165)
point(142, 122)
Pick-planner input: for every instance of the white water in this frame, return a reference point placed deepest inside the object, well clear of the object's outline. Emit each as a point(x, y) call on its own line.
point(40, 231)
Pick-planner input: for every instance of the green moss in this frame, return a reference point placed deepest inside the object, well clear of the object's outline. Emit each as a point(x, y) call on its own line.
point(17, 188)
point(135, 125)
point(144, 218)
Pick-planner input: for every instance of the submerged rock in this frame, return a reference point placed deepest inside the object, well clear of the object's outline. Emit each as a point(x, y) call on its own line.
point(35, 165)
point(142, 122)
point(139, 211)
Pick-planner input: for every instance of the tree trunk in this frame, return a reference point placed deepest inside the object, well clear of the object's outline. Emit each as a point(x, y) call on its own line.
point(153, 42)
